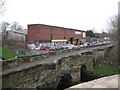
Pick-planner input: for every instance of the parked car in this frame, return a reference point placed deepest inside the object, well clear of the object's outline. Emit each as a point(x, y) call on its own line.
point(100, 43)
point(81, 45)
point(48, 48)
point(76, 46)
point(37, 48)
point(65, 46)
point(105, 42)
point(85, 44)
point(42, 48)
point(90, 44)
point(70, 46)
point(31, 46)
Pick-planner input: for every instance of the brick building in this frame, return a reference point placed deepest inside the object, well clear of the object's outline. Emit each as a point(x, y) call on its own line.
point(18, 35)
point(15, 40)
point(47, 34)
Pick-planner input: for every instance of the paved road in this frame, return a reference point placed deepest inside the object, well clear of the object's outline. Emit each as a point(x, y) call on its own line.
point(36, 52)
point(110, 82)
point(51, 59)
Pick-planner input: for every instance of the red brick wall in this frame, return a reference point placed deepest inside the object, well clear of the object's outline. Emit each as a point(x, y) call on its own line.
point(69, 33)
point(41, 32)
point(79, 36)
point(58, 33)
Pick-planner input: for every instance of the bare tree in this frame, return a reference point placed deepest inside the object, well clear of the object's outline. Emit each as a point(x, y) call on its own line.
point(16, 26)
point(4, 27)
point(2, 6)
point(19, 27)
point(113, 28)
point(113, 31)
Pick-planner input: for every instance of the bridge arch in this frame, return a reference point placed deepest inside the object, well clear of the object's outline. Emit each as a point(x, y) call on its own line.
point(65, 81)
point(83, 72)
point(83, 67)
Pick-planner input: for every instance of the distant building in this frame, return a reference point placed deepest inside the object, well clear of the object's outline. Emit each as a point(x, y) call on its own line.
point(17, 35)
point(91, 39)
point(103, 36)
point(53, 34)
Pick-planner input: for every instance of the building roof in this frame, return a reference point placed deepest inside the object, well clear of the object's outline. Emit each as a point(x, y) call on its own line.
point(57, 27)
point(24, 32)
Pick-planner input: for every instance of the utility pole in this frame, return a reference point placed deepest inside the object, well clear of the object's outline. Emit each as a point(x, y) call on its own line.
point(118, 32)
point(51, 36)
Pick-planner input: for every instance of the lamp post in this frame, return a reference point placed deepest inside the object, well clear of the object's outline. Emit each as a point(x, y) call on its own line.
point(51, 36)
point(38, 37)
point(37, 42)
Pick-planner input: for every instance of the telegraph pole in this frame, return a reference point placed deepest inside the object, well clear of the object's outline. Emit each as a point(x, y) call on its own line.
point(51, 35)
point(118, 33)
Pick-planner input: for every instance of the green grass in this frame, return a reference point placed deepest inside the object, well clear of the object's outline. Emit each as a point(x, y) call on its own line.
point(5, 53)
point(105, 70)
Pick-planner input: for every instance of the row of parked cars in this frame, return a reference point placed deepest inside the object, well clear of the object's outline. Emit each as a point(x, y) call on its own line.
point(52, 47)
point(64, 46)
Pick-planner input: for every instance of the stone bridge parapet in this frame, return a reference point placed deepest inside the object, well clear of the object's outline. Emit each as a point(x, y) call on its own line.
point(47, 75)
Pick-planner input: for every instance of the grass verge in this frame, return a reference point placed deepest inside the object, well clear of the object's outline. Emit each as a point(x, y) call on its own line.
point(106, 70)
point(7, 54)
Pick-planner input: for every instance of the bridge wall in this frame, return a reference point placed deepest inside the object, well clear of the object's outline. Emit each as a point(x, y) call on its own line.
point(42, 74)
point(10, 63)
point(101, 53)
point(48, 74)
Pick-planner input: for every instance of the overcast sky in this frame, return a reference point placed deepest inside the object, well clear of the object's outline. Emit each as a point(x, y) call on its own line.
point(77, 14)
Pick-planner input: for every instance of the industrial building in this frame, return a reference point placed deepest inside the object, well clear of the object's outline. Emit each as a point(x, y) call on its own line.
point(39, 33)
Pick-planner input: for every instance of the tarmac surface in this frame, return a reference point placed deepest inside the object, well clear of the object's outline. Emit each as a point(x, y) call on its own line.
point(109, 82)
